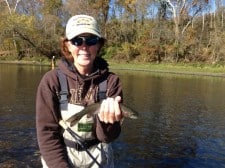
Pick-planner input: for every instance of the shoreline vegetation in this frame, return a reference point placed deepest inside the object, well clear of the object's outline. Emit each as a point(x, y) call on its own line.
point(159, 31)
point(198, 69)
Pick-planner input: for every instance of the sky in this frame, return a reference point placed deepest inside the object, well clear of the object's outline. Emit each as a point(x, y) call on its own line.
point(212, 2)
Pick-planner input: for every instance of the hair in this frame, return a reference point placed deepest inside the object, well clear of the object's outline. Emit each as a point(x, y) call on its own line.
point(67, 54)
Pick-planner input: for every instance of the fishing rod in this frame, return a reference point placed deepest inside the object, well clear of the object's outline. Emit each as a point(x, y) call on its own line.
point(79, 140)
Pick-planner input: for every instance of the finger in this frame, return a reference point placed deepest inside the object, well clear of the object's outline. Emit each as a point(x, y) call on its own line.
point(117, 111)
point(118, 99)
point(101, 111)
point(106, 110)
point(111, 114)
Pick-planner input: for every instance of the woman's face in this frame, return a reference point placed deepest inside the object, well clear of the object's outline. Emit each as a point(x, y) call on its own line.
point(84, 49)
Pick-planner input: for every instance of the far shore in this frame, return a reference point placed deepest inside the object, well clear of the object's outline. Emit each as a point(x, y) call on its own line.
point(184, 69)
point(25, 62)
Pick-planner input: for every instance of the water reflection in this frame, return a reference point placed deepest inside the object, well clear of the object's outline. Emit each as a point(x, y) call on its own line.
point(18, 147)
point(181, 120)
point(181, 124)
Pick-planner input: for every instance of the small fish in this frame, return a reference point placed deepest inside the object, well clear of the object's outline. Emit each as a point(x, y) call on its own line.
point(94, 109)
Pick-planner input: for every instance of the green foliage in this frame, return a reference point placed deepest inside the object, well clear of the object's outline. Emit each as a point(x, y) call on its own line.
point(110, 52)
point(50, 7)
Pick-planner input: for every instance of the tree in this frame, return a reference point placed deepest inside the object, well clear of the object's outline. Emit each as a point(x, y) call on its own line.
point(11, 11)
point(182, 13)
point(35, 30)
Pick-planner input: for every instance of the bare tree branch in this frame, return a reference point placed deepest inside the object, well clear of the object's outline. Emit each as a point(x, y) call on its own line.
point(16, 5)
point(8, 7)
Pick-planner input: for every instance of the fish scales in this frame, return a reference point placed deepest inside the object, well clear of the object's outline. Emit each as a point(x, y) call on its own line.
point(94, 108)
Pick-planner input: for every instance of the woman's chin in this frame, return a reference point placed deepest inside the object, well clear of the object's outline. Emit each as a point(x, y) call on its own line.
point(85, 63)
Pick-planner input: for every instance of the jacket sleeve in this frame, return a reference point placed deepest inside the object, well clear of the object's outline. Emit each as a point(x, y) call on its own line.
point(49, 138)
point(109, 132)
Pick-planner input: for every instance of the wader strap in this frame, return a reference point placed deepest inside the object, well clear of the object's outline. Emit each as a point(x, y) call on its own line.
point(85, 145)
point(64, 90)
point(102, 90)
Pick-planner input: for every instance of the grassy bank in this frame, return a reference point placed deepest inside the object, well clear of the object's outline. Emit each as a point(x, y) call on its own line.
point(178, 68)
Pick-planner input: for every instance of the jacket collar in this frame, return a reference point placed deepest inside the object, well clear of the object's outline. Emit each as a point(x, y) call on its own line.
point(68, 68)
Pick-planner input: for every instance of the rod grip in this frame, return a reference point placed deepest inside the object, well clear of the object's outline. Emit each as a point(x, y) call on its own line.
point(63, 124)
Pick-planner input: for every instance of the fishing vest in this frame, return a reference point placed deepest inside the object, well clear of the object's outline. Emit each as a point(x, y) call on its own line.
point(83, 128)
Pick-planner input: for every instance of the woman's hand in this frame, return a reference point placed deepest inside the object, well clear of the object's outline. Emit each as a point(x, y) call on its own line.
point(110, 110)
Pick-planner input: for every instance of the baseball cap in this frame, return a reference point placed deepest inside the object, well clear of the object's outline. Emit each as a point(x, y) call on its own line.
point(80, 24)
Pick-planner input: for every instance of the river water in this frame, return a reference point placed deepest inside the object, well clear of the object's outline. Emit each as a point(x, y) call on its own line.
point(181, 122)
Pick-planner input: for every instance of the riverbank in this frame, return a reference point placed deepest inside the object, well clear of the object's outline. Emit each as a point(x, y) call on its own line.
point(173, 68)
point(26, 62)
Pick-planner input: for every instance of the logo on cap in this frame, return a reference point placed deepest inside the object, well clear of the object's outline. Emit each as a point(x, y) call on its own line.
point(83, 21)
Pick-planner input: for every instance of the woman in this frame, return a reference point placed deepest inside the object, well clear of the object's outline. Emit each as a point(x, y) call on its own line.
point(84, 74)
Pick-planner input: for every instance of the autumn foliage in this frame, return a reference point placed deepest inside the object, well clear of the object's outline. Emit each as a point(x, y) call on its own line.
point(144, 31)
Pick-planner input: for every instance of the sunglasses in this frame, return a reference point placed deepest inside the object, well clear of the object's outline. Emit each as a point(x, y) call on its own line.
point(89, 41)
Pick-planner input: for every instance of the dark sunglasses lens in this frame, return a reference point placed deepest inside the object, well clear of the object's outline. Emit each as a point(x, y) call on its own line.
point(92, 41)
point(77, 41)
